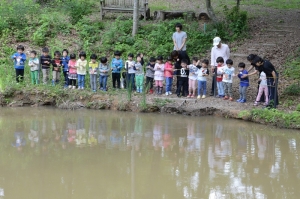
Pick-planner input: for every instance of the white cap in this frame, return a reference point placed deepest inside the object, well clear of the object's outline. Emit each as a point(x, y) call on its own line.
point(217, 40)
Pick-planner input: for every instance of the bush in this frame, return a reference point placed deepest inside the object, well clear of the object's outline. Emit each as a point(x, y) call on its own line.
point(293, 89)
point(76, 9)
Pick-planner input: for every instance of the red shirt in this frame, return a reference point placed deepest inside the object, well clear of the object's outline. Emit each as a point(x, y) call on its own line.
point(168, 70)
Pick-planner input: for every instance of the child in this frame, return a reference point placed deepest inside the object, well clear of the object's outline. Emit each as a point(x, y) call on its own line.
point(201, 77)
point(139, 74)
point(159, 75)
point(244, 83)
point(34, 67)
point(227, 79)
point(150, 74)
point(93, 68)
point(193, 77)
point(129, 66)
point(56, 69)
point(72, 71)
point(169, 70)
point(220, 70)
point(65, 60)
point(183, 79)
point(263, 88)
point(45, 62)
point(81, 69)
point(19, 63)
point(116, 67)
point(104, 69)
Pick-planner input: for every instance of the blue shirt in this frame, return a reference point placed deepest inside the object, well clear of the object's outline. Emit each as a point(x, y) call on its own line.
point(65, 62)
point(19, 60)
point(244, 81)
point(116, 65)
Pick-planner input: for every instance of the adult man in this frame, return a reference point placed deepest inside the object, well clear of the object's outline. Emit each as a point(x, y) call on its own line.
point(219, 50)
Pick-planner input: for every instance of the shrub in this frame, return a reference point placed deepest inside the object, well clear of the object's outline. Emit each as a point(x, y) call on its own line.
point(293, 89)
point(76, 9)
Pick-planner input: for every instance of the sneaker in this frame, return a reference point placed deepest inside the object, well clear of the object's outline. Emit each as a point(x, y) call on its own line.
point(70, 86)
point(198, 97)
point(167, 93)
point(225, 98)
point(203, 96)
point(211, 94)
point(74, 87)
point(255, 103)
point(178, 95)
point(94, 90)
point(192, 96)
point(79, 88)
point(239, 100)
point(243, 101)
point(189, 95)
point(266, 104)
point(170, 93)
point(230, 99)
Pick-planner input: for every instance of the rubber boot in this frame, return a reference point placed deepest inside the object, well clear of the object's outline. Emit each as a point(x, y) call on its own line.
point(151, 91)
point(141, 90)
point(157, 90)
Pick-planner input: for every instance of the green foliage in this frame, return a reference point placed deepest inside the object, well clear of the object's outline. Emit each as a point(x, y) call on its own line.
point(49, 26)
point(293, 69)
point(161, 102)
point(277, 117)
point(77, 9)
point(293, 89)
point(298, 108)
point(236, 23)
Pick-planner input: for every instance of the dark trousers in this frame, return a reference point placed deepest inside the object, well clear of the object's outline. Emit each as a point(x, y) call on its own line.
point(183, 86)
point(130, 82)
point(116, 79)
point(19, 75)
point(273, 93)
point(213, 83)
point(149, 83)
point(72, 82)
point(66, 78)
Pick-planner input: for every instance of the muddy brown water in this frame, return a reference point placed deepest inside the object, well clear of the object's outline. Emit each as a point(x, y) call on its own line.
point(52, 154)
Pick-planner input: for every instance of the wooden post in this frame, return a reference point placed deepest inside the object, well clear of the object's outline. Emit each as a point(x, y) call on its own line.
point(101, 10)
point(135, 17)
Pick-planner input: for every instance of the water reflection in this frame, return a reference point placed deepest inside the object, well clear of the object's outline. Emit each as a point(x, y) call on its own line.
point(146, 156)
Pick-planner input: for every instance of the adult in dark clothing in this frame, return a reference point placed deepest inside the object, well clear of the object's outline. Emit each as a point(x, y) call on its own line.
point(250, 58)
point(269, 69)
point(177, 57)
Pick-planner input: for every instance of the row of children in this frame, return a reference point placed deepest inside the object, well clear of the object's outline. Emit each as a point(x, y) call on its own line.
point(188, 75)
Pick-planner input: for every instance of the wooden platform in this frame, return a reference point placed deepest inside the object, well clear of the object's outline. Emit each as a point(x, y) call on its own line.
point(123, 6)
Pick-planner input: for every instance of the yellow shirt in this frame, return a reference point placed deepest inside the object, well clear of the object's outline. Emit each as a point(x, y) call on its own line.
point(93, 68)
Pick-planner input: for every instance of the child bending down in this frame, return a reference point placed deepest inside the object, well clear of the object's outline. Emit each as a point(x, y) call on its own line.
point(159, 75)
point(263, 88)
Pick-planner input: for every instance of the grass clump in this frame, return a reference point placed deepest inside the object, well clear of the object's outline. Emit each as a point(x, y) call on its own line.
point(274, 117)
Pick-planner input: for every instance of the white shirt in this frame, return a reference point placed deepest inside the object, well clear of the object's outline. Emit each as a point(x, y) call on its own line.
point(228, 74)
point(219, 52)
point(263, 79)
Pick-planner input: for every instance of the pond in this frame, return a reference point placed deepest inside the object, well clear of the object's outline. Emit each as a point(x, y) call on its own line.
point(51, 153)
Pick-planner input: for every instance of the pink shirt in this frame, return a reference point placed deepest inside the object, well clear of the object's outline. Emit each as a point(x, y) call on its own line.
point(168, 70)
point(72, 68)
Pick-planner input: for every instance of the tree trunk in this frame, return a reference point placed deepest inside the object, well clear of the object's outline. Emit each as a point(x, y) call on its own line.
point(210, 11)
point(238, 2)
point(135, 17)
